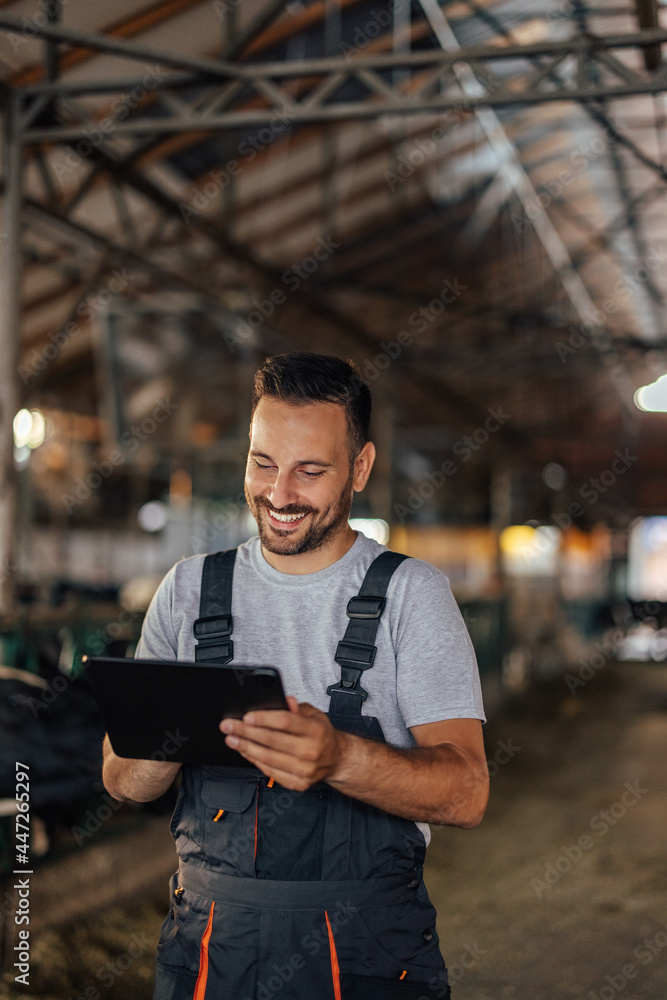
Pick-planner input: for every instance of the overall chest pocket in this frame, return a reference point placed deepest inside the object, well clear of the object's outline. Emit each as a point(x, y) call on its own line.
point(229, 822)
point(290, 833)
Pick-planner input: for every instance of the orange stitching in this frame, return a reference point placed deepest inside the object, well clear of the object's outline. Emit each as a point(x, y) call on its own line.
point(256, 815)
point(335, 971)
point(200, 986)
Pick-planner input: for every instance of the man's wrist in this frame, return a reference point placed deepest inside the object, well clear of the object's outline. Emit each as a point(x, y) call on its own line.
point(349, 758)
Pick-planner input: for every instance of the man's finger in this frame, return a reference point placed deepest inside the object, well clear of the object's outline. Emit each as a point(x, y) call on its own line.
point(294, 722)
point(270, 760)
point(272, 738)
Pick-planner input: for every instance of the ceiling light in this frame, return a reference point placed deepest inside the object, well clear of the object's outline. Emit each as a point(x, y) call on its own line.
point(372, 527)
point(29, 429)
point(653, 397)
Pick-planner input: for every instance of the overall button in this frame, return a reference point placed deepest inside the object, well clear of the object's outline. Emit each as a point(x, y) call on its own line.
point(428, 935)
point(178, 893)
point(414, 884)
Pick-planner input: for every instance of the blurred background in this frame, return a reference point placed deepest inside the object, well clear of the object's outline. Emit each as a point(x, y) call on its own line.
point(468, 199)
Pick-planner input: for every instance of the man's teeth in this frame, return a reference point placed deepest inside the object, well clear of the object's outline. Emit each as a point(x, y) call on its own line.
point(285, 517)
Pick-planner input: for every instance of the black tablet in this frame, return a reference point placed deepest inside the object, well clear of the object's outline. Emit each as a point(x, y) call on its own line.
point(170, 710)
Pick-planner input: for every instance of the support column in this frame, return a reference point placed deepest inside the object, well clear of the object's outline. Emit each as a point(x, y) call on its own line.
point(379, 489)
point(10, 304)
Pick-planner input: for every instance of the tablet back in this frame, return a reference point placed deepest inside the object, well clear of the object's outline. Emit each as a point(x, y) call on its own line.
point(170, 710)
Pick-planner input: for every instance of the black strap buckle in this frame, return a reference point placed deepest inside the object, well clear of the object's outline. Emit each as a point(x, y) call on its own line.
point(365, 607)
point(358, 655)
point(348, 684)
point(215, 627)
point(220, 649)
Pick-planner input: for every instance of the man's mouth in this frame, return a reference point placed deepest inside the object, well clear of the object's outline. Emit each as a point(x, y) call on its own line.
point(284, 520)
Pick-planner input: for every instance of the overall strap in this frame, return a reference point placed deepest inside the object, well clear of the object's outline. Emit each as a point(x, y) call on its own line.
point(215, 624)
point(356, 650)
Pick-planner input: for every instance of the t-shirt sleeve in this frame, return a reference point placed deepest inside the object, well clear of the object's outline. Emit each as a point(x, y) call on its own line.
point(158, 637)
point(436, 668)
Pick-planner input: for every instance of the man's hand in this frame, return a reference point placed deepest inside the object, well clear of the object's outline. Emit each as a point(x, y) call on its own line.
point(298, 748)
point(444, 779)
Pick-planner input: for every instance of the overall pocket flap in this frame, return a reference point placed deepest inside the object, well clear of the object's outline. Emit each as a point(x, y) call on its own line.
point(230, 794)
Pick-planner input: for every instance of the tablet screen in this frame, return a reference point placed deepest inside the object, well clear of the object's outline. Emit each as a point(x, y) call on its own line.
point(171, 710)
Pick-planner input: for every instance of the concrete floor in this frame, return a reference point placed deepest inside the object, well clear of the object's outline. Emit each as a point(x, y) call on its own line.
point(559, 893)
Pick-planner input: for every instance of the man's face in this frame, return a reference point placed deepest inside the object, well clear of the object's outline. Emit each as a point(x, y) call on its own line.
point(298, 480)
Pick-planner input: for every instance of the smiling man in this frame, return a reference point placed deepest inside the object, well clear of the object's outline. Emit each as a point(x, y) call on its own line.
point(301, 875)
point(301, 499)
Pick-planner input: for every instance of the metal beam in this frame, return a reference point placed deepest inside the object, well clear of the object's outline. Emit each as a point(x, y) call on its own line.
point(600, 116)
point(10, 311)
point(253, 94)
point(519, 181)
point(254, 29)
point(435, 388)
point(147, 19)
point(224, 69)
point(648, 17)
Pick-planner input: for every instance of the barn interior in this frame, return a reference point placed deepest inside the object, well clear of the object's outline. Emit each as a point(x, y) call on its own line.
point(466, 198)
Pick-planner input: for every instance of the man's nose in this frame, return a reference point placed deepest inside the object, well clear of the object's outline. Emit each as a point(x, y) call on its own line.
point(282, 491)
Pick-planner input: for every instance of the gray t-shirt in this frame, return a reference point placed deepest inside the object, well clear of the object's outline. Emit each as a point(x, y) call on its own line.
point(425, 668)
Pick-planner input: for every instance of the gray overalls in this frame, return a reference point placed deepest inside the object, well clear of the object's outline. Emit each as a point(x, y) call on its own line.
point(285, 895)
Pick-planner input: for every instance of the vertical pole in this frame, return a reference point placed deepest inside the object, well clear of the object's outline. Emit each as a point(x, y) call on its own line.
point(52, 10)
point(230, 36)
point(379, 489)
point(10, 301)
point(501, 508)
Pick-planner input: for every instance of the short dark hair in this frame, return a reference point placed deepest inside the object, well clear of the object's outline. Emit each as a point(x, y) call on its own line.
point(301, 378)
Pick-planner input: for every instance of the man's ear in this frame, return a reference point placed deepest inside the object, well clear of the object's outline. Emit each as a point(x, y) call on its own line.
point(363, 464)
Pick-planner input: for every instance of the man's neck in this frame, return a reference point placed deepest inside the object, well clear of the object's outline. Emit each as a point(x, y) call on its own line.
point(312, 562)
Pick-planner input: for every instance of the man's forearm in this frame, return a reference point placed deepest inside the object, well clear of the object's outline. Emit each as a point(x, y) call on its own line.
point(442, 780)
point(138, 780)
point(435, 784)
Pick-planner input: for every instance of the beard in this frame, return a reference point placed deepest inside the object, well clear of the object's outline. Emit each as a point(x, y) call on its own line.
point(322, 526)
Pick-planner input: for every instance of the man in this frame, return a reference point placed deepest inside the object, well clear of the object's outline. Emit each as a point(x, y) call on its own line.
point(300, 876)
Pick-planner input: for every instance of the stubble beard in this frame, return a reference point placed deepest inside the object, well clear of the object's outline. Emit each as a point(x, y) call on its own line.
point(322, 527)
